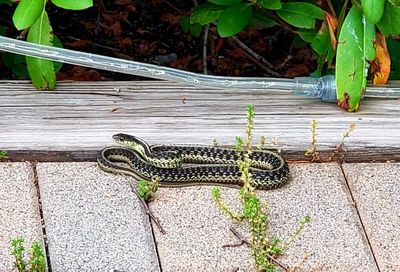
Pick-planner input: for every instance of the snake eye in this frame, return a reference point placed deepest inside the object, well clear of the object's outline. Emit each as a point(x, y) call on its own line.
point(117, 137)
point(120, 137)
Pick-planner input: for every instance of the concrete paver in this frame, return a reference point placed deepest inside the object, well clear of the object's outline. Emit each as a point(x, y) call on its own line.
point(376, 192)
point(196, 230)
point(19, 210)
point(93, 220)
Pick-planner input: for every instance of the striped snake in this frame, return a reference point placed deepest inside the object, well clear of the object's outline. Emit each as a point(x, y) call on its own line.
point(176, 165)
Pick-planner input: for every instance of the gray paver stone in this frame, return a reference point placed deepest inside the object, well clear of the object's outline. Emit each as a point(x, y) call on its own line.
point(376, 191)
point(196, 230)
point(19, 210)
point(93, 220)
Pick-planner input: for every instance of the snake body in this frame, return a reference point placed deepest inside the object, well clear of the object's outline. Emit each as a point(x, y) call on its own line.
point(176, 165)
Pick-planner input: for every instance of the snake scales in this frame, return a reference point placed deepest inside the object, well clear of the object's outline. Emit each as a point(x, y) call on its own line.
point(176, 165)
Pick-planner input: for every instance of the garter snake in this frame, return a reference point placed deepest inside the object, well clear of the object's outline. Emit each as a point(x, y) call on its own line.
point(178, 165)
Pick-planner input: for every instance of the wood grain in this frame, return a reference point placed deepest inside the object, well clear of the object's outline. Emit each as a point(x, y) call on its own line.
point(77, 119)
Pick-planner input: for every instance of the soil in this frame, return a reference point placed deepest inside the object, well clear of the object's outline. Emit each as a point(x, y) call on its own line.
point(149, 31)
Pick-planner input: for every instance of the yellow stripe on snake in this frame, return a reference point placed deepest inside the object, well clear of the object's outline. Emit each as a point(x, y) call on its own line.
point(176, 165)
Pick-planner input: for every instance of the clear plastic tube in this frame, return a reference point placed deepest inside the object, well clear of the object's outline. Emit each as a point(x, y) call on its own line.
point(140, 69)
point(323, 88)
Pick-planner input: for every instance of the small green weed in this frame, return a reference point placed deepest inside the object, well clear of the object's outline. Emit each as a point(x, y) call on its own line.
point(314, 154)
point(3, 154)
point(312, 151)
point(270, 144)
point(339, 149)
point(146, 189)
point(36, 261)
point(145, 192)
point(254, 210)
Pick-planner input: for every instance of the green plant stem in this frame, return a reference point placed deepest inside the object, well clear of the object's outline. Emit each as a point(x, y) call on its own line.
point(18, 251)
point(37, 259)
point(312, 151)
point(263, 250)
point(216, 193)
point(339, 147)
point(299, 229)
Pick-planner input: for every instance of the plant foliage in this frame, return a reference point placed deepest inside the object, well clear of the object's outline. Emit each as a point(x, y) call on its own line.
point(345, 29)
point(31, 16)
point(254, 209)
point(36, 261)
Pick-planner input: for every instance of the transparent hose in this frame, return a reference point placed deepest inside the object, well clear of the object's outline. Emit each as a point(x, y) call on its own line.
point(140, 69)
point(323, 88)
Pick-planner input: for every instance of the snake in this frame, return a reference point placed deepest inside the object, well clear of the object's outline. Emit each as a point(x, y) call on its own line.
point(185, 165)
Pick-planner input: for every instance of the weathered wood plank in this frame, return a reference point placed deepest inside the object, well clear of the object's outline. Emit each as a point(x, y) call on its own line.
point(78, 119)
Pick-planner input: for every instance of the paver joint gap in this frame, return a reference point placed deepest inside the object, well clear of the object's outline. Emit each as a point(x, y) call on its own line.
point(359, 215)
point(132, 185)
point(36, 184)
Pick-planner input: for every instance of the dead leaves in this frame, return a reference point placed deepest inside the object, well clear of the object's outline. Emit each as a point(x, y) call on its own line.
point(380, 67)
point(332, 22)
point(170, 18)
point(79, 73)
point(145, 30)
point(112, 22)
point(127, 4)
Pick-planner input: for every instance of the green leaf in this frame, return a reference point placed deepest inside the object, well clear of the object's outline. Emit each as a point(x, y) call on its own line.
point(21, 71)
point(260, 21)
point(17, 64)
point(369, 38)
point(390, 21)
point(73, 4)
point(206, 13)
point(373, 9)
point(3, 30)
point(321, 44)
point(37, 259)
point(321, 41)
point(57, 43)
point(6, 2)
point(224, 2)
point(216, 192)
point(185, 23)
point(41, 71)
point(351, 65)
point(27, 12)
point(330, 55)
point(270, 4)
point(306, 34)
point(298, 42)
point(234, 19)
point(394, 52)
point(301, 14)
point(143, 189)
point(394, 2)
point(195, 30)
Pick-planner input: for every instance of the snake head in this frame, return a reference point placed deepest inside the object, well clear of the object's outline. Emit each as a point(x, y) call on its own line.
point(122, 138)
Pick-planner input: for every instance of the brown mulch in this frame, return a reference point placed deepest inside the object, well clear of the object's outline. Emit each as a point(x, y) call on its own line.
point(149, 31)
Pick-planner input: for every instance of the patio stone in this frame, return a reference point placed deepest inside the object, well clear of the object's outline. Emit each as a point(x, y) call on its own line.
point(93, 220)
point(376, 191)
point(19, 210)
point(196, 230)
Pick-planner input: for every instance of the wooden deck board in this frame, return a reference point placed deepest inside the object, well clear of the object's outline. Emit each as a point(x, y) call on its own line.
point(77, 119)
